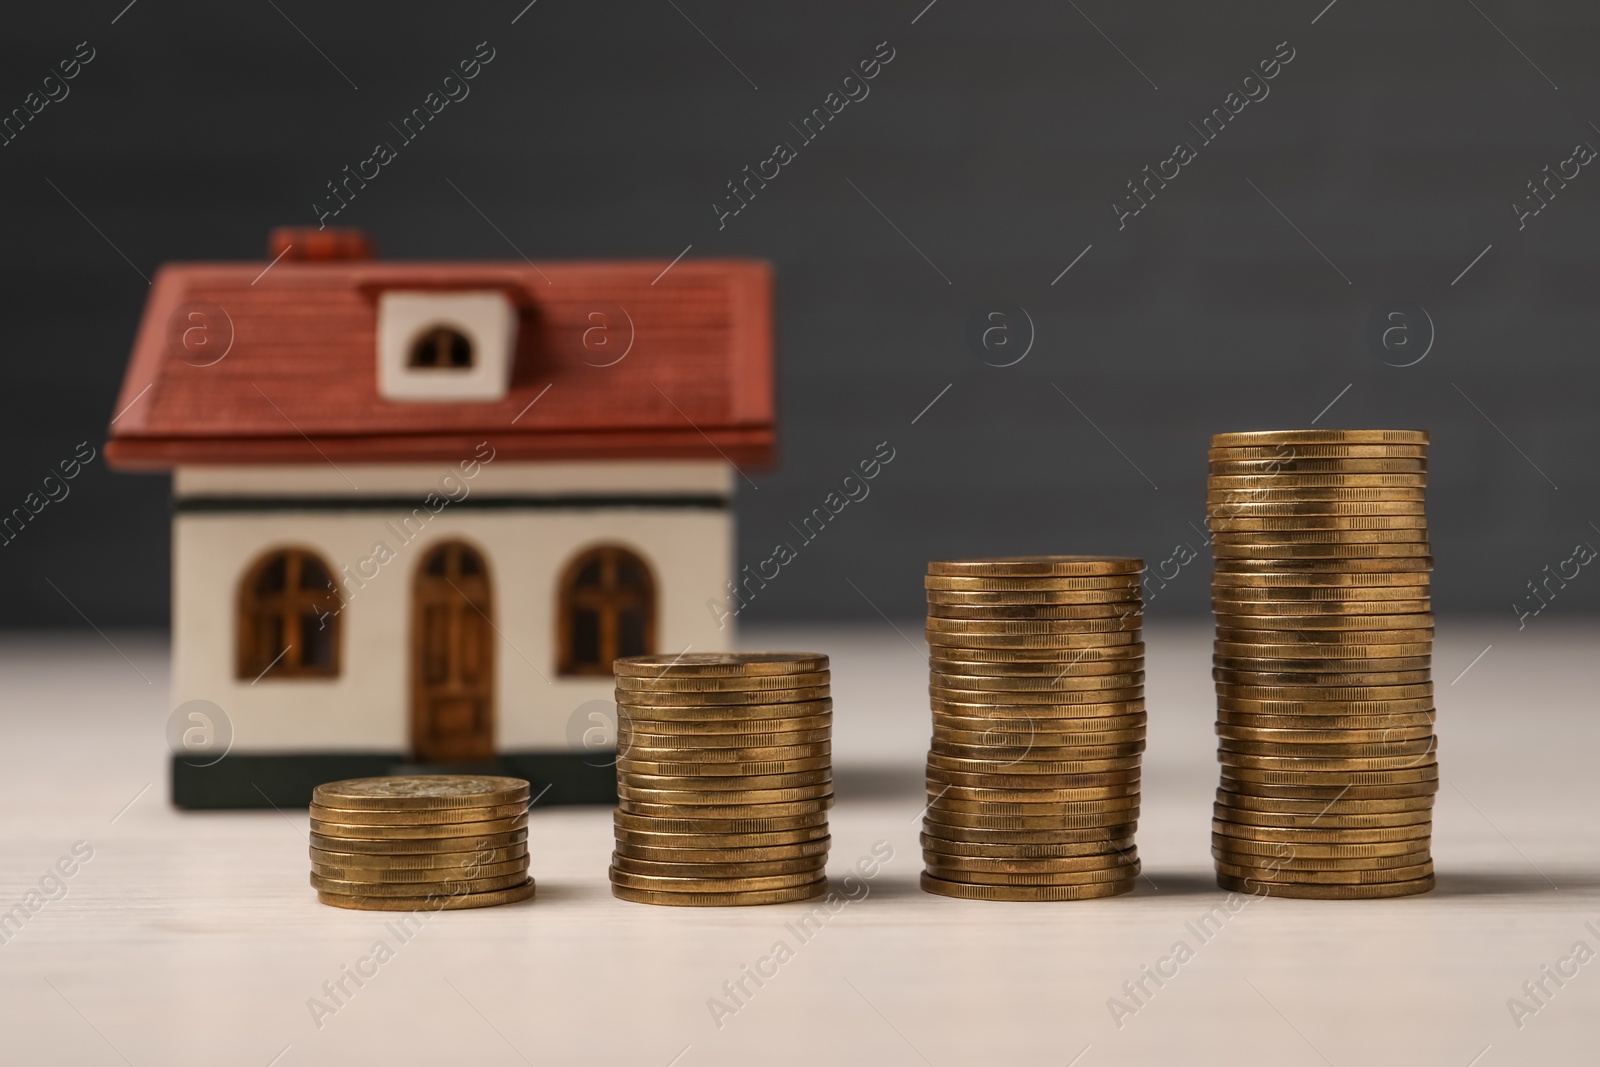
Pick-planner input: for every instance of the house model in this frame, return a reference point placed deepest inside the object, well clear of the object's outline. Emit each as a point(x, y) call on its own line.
point(420, 507)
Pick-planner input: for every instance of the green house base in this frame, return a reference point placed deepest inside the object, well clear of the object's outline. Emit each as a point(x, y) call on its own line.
point(285, 780)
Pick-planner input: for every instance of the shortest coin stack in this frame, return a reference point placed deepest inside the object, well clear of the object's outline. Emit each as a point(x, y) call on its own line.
point(724, 778)
point(425, 842)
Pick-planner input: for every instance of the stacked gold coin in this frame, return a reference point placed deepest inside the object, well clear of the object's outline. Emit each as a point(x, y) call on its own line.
point(1323, 663)
point(423, 842)
point(724, 778)
point(1037, 686)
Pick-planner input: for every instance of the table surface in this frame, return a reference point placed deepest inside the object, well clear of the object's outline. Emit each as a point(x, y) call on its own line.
point(193, 938)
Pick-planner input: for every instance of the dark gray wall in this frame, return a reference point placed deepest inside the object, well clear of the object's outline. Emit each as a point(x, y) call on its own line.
point(985, 159)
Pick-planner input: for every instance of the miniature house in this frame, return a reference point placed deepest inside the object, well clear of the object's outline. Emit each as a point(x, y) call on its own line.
point(420, 507)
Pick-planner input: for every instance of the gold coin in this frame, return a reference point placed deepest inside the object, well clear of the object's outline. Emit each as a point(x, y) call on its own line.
point(1028, 612)
point(1269, 770)
point(416, 816)
point(1380, 725)
point(1264, 438)
point(989, 850)
point(1100, 835)
point(984, 800)
point(736, 884)
point(704, 714)
point(1119, 873)
point(1036, 683)
point(423, 861)
point(941, 600)
point(1336, 653)
point(1356, 877)
point(992, 825)
point(1359, 565)
point(1124, 765)
point(1026, 734)
point(635, 749)
point(431, 831)
point(1108, 646)
point(714, 733)
point(966, 891)
point(1268, 543)
point(1321, 665)
point(810, 837)
point(1097, 619)
point(697, 798)
point(1060, 667)
point(1052, 697)
point(417, 845)
point(1297, 464)
point(1322, 708)
point(1049, 714)
point(1299, 480)
point(471, 871)
point(1299, 867)
point(1324, 583)
point(424, 791)
point(742, 854)
point(433, 902)
point(730, 813)
point(1303, 450)
point(809, 865)
point(413, 889)
point(1115, 634)
point(723, 783)
point(711, 747)
point(1389, 748)
point(1308, 608)
point(695, 771)
point(965, 866)
point(1320, 738)
point(1009, 755)
point(1036, 567)
point(1239, 761)
point(1337, 805)
point(1224, 500)
point(757, 821)
point(720, 664)
point(736, 698)
point(1279, 553)
point(1415, 691)
point(721, 900)
point(1002, 724)
point(1303, 679)
point(749, 684)
point(1273, 820)
point(1318, 855)
point(1371, 891)
point(1328, 793)
point(1314, 523)
point(1336, 835)
point(1319, 594)
point(1037, 784)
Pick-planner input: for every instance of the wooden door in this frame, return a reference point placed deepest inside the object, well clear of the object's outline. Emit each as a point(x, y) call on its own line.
point(452, 657)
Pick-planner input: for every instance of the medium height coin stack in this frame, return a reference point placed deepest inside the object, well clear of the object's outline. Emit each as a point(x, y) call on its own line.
point(1323, 656)
point(725, 778)
point(1037, 687)
point(425, 842)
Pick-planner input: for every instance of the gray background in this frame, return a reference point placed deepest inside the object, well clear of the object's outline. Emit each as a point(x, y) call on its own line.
point(995, 141)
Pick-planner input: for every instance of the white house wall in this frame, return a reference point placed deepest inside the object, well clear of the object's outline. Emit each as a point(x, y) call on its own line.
point(367, 707)
point(500, 476)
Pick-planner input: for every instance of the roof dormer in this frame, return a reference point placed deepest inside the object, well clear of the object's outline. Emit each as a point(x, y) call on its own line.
point(445, 346)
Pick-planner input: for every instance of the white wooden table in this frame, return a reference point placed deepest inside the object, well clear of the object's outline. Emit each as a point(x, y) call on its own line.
point(194, 938)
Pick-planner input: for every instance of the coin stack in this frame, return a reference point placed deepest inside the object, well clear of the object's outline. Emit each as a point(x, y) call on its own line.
point(1037, 686)
point(1323, 655)
point(425, 842)
point(724, 778)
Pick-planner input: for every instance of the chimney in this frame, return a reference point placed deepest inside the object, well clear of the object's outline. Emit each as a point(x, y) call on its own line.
point(306, 244)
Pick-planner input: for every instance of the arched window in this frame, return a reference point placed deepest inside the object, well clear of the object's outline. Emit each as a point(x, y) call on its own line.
point(441, 347)
point(288, 618)
point(607, 610)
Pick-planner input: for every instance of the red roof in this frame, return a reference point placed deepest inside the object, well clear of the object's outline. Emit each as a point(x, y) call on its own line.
point(299, 382)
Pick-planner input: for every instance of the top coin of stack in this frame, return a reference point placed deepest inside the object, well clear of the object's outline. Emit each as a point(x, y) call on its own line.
point(1323, 663)
point(724, 778)
point(1037, 686)
point(420, 842)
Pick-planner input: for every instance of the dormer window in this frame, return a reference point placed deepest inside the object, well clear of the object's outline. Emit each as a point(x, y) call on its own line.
point(445, 346)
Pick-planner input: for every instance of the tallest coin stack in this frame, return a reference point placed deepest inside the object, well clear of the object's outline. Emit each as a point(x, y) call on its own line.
point(1324, 647)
